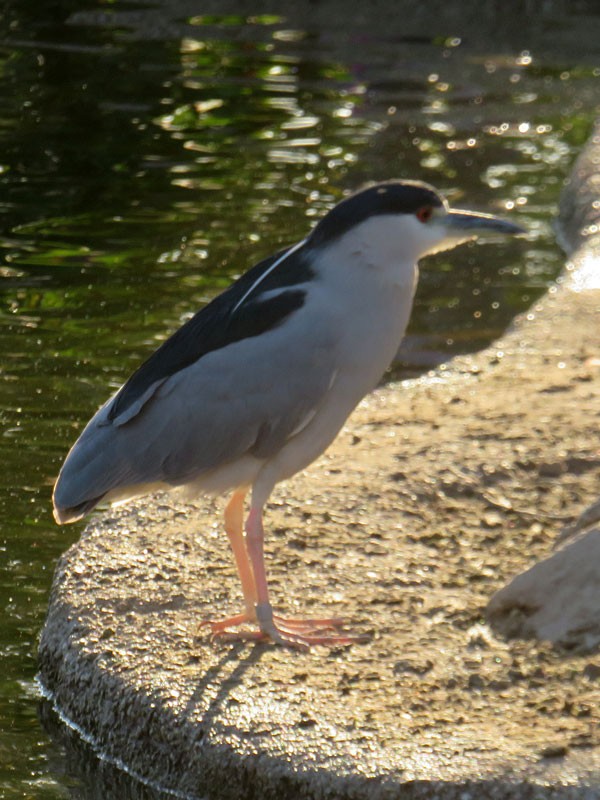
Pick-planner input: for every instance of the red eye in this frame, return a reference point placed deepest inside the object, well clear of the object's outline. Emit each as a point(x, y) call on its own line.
point(424, 214)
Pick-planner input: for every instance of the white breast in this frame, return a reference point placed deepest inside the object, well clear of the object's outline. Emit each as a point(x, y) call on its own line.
point(364, 292)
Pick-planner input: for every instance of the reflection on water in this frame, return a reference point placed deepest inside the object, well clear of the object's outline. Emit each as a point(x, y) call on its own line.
point(150, 155)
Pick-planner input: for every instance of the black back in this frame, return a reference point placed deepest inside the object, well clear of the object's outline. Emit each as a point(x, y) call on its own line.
point(216, 325)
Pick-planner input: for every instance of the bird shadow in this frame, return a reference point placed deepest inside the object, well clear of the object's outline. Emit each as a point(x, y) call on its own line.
point(221, 678)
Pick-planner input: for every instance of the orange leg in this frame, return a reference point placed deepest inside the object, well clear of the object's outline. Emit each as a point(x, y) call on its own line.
point(248, 552)
point(234, 527)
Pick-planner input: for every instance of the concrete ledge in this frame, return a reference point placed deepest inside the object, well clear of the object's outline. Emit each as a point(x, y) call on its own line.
point(436, 494)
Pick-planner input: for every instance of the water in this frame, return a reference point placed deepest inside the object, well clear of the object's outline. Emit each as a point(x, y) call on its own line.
point(149, 155)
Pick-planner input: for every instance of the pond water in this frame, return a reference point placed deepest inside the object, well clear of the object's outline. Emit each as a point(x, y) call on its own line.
point(149, 154)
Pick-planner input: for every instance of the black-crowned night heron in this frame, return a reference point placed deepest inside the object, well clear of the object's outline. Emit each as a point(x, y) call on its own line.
point(259, 382)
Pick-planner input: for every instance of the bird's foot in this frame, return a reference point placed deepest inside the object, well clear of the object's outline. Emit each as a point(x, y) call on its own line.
point(300, 634)
point(221, 626)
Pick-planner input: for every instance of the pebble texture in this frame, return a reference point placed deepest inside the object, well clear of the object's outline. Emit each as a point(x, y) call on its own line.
point(436, 495)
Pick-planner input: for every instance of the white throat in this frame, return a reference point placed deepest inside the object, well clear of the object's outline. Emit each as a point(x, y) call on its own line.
point(385, 247)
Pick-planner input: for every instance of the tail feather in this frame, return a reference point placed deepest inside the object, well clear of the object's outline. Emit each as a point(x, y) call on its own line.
point(92, 469)
point(64, 514)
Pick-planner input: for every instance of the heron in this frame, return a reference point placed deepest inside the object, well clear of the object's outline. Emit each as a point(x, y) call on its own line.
point(258, 383)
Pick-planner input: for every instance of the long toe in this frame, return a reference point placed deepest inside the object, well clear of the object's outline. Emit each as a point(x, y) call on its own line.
point(303, 634)
point(311, 625)
point(299, 634)
point(304, 641)
point(222, 626)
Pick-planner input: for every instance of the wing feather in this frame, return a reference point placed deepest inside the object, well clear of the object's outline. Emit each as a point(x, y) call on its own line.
point(247, 398)
point(252, 305)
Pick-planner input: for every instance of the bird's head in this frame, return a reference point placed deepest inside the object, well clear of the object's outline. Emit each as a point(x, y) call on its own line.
point(409, 218)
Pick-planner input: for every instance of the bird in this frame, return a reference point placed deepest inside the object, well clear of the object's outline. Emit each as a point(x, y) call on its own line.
point(258, 383)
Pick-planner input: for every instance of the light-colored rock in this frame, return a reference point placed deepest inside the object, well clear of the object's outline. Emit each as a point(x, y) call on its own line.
point(558, 599)
point(586, 519)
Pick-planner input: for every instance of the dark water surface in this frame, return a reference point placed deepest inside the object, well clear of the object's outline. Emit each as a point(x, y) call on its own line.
point(148, 155)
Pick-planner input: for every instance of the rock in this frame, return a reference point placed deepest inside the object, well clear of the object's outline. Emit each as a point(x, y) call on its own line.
point(557, 599)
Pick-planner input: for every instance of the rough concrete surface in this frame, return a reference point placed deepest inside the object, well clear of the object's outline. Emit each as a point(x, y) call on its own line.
point(436, 495)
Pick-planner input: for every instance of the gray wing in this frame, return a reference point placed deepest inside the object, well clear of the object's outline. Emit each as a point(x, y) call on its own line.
point(257, 302)
point(247, 398)
point(254, 400)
